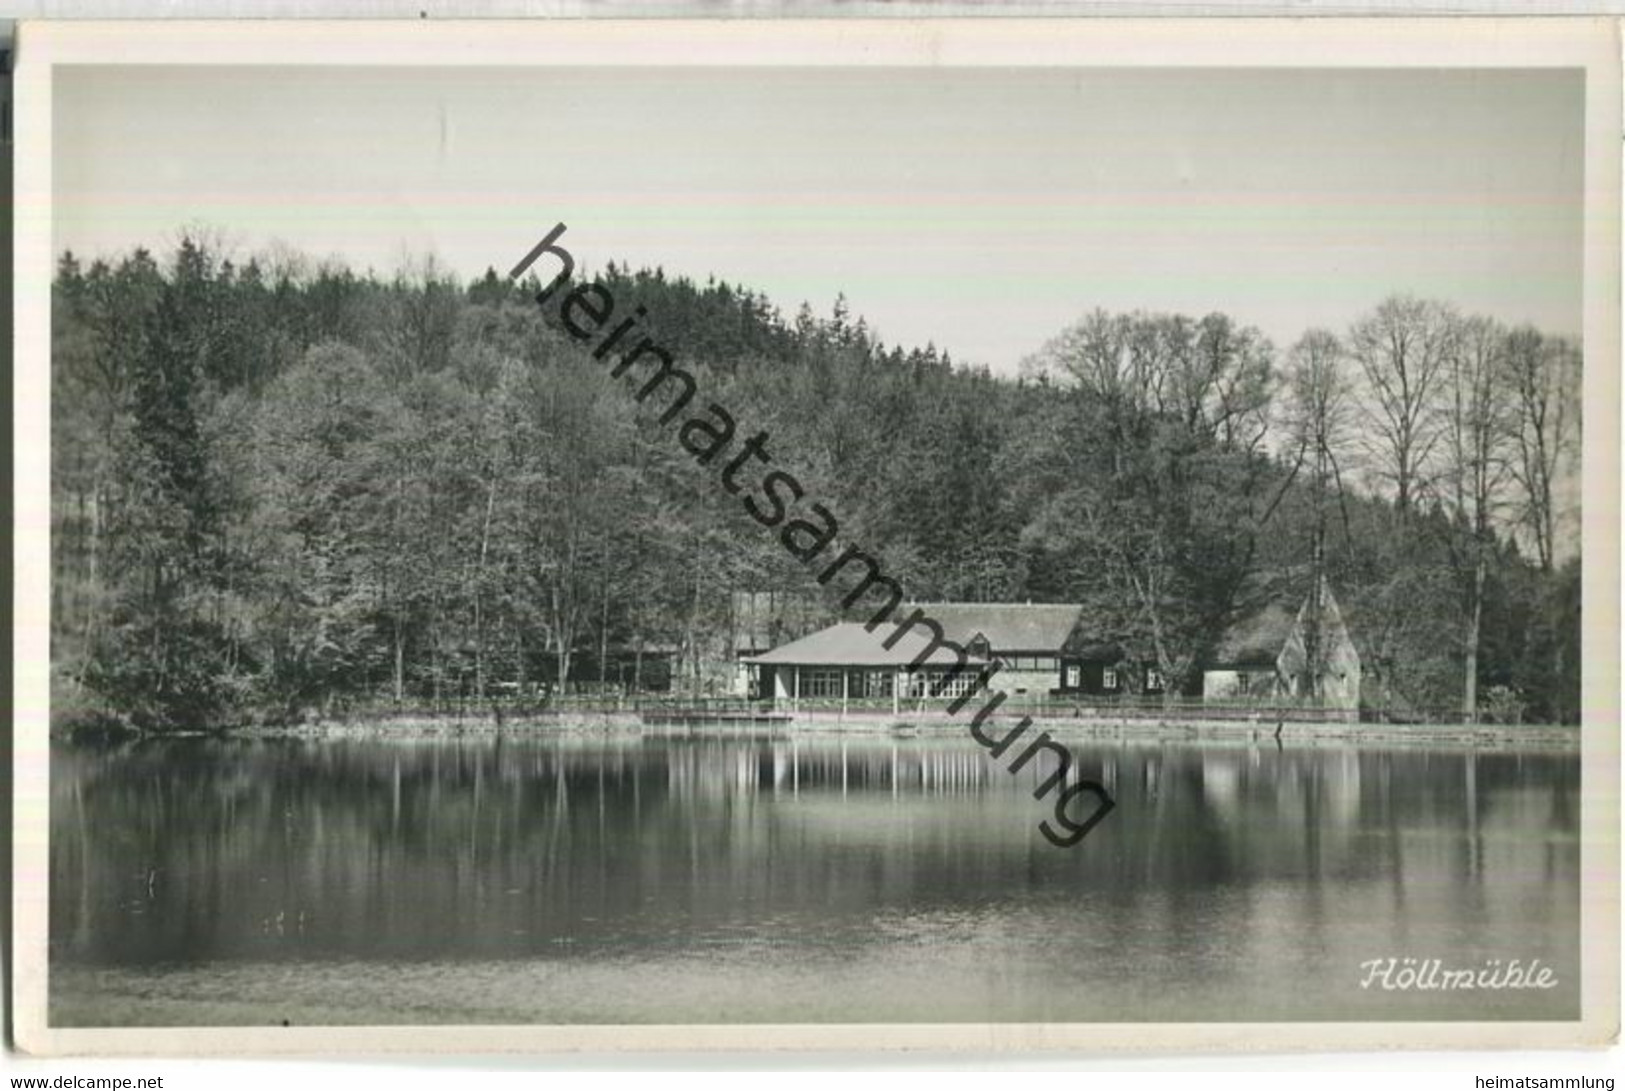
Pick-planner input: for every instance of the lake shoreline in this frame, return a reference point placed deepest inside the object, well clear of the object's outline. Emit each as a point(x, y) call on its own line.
point(926, 726)
point(75, 727)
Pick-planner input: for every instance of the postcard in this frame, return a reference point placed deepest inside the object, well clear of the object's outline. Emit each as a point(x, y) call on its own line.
point(841, 534)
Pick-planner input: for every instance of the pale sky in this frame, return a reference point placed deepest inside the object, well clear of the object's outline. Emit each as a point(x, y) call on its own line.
point(983, 209)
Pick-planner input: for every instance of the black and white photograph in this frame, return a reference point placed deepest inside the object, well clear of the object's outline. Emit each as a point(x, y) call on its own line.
point(913, 526)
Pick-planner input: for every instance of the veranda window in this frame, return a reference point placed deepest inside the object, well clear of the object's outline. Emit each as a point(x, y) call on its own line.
point(821, 683)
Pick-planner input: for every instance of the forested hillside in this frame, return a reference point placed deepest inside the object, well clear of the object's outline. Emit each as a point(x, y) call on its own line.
point(280, 488)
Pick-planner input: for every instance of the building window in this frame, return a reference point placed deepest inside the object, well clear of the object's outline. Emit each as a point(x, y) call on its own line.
point(957, 686)
point(821, 683)
point(877, 683)
point(1153, 678)
point(1074, 675)
point(1108, 678)
point(936, 683)
point(1045, 663)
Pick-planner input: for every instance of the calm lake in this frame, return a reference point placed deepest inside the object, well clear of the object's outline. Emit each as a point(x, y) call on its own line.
point(615, 879)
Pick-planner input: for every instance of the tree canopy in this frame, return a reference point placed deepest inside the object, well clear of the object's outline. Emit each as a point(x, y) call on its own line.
point(279, 486)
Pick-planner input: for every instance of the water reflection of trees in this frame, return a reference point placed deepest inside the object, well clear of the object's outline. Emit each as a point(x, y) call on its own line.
point(194, 850)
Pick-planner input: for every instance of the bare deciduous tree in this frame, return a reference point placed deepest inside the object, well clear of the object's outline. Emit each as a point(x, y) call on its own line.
point(1227, 388)
point(1544, 375)
point(1213, 376)
point(1478, 424)
point(1403, 348)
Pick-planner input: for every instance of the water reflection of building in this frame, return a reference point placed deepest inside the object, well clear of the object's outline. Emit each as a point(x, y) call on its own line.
point(783, 767)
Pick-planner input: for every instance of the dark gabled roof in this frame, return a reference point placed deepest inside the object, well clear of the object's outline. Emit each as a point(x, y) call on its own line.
point(1090, 647)
point(1268, 620)
point(849, 644)
point(1008, 626)
point(1254, 641)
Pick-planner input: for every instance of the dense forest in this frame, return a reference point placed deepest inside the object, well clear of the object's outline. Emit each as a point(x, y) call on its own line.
point(281, 488)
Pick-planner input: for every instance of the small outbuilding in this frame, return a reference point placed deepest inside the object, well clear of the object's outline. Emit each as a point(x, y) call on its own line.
point(1304, 658)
